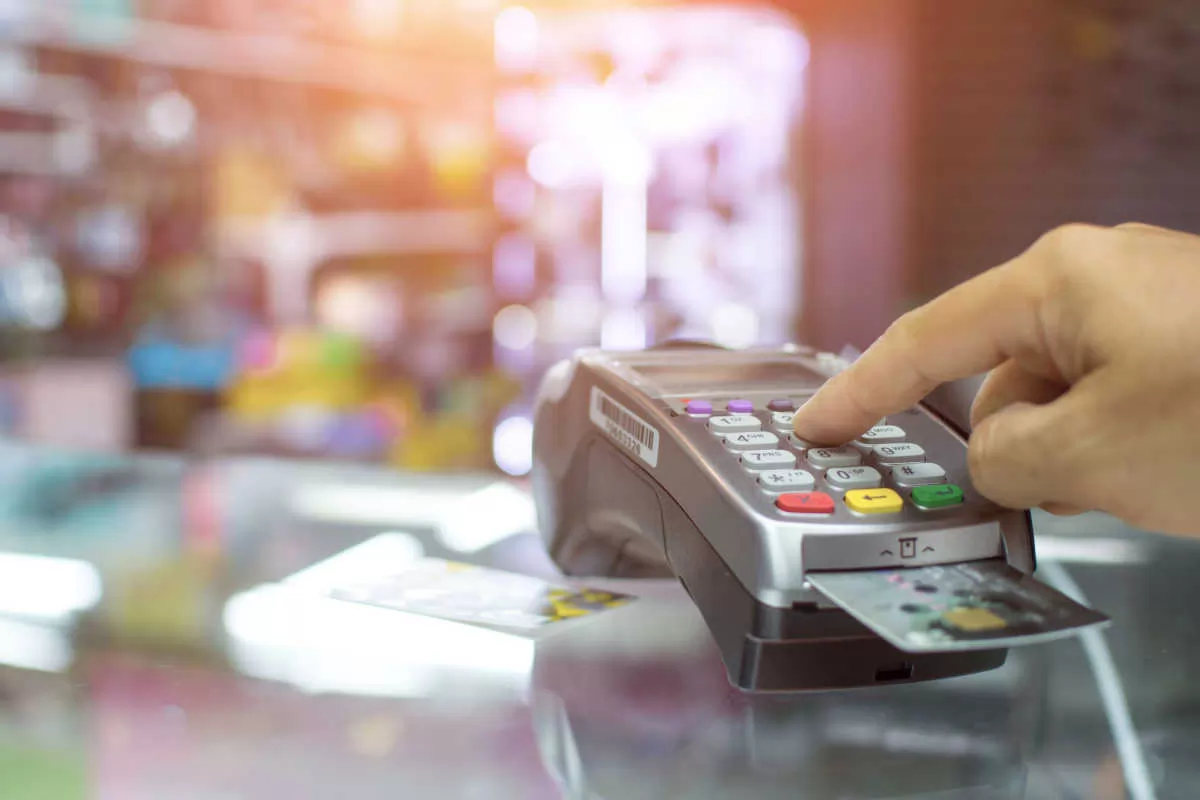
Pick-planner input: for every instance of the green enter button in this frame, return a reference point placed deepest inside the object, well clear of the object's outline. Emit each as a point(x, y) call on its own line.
point(938, 496)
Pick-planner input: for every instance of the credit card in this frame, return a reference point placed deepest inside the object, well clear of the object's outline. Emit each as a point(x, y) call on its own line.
point(467, 593)
point(981, 605)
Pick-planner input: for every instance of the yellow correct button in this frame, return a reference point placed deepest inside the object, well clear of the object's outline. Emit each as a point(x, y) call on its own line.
point(875, 501)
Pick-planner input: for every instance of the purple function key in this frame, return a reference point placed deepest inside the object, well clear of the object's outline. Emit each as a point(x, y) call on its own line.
point(781, 405)
point(699, 407)
point(740, 406)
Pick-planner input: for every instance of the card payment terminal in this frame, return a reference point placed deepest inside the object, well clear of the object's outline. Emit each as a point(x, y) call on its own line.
point(682, 462)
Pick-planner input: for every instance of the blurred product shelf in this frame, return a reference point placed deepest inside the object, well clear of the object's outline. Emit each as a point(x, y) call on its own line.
point(283, 58)
point(364, 231)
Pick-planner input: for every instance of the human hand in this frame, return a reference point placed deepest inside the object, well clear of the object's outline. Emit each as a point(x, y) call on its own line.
point(1092, 338)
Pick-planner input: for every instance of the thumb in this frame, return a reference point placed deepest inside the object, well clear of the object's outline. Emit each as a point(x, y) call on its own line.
point(1027, 455)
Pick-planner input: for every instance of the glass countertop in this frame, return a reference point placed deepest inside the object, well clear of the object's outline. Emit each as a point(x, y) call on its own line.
point(153, 647)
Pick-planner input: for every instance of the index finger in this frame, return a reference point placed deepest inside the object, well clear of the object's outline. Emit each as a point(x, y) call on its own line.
point(973, 328)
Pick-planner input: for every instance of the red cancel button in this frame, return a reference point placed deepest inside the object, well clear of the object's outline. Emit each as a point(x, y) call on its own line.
point(805, 503)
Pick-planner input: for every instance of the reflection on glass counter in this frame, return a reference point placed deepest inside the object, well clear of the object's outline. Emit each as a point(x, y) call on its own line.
point(170, 627)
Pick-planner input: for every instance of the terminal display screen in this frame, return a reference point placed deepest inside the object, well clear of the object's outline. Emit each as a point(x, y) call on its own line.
point(726, 374)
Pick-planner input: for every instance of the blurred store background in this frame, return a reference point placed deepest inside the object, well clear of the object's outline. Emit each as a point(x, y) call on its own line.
point(361, 230)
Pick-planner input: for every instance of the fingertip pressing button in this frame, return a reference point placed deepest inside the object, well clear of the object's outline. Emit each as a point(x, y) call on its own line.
point(783, 420)
point(800, 444)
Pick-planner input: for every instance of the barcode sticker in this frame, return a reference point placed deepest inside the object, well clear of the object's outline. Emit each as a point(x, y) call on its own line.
point(628, 429)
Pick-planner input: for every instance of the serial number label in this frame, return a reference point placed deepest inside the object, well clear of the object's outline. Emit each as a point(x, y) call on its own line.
point(624, 427)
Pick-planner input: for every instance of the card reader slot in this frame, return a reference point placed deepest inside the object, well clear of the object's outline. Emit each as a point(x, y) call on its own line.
point(900, 672)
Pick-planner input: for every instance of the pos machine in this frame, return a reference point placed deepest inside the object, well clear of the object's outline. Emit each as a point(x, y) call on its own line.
point(814, 567)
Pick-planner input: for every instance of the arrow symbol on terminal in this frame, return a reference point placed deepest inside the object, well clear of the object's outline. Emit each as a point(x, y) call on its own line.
point(928, 550)
point(887, 553)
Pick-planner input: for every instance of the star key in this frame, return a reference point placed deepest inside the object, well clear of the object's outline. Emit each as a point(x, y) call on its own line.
point(789, 480)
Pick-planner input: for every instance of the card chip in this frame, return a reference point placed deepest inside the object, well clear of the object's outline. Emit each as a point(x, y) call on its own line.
point(974, 620)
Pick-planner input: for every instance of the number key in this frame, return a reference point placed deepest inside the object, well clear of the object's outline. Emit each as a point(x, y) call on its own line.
point(783, 420)
point(832, 457)
point(882, 434)
point(758, 440)
point(898, 453)
point(734, 423)
point(854, 478)
point(768, 459)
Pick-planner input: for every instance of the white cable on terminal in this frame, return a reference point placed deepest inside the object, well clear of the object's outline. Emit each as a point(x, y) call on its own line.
point(1112, 693)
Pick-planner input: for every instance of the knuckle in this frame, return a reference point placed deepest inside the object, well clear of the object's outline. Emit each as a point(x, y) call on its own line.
point(990, 399)
point(1069, 255)
point(902, 330)
point(982, 457)
point(1072, 235)
point(996, 461)
point(1073, 244)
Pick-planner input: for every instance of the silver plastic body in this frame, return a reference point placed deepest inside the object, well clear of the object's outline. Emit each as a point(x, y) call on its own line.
point(768, 550)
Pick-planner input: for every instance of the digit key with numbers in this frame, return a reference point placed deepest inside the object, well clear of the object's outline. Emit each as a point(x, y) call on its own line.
point(831, 457)
point(769, 459)
point(755, 440)
point(734, 423)
point(899, 453)
point(854, 478)
point(882, 434)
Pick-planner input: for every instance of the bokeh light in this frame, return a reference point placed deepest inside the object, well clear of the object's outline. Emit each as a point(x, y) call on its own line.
point(512, 445)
